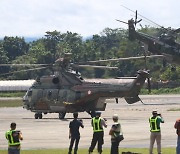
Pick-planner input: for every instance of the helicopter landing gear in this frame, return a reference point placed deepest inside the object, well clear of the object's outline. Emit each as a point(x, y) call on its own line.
point(62, 115)
point(38, 116)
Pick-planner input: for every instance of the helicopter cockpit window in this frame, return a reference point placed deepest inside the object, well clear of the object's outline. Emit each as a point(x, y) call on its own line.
point(49, 94)
point(65, 95)
point(29, 93)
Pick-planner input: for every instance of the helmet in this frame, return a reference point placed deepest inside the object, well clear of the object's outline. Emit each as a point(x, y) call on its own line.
point(98, 113)
point(115, 116)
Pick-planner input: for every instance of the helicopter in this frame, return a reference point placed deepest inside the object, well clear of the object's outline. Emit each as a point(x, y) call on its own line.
point(65, 91)
point(165, 44)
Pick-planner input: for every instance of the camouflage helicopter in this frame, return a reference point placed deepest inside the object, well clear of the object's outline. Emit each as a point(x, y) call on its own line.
point(66, 91)
point(165, 44)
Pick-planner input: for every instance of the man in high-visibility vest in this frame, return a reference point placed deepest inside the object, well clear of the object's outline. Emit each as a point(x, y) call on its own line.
point(98, 132)
point(155, 129)
point(13, 136)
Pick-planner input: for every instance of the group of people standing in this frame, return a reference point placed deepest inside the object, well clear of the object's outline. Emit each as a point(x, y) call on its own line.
point(98, 123)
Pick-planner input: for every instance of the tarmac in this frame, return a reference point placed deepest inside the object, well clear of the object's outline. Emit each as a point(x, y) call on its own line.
point(51, 132)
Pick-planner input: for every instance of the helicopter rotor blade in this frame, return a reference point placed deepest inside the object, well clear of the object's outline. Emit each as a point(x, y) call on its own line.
point(93, 66)
point(32, 69)
point(122, 21)
point(123, 59)
point(135, 18)
point(23, 65)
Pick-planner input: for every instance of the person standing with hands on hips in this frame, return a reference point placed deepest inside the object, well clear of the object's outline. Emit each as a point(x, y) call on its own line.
point(155, 130)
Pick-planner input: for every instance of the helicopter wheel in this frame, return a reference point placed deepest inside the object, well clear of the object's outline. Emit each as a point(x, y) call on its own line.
point(62, 115)
point(38, 115)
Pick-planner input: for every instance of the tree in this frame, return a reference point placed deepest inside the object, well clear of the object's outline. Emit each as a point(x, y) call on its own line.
point(14, 46)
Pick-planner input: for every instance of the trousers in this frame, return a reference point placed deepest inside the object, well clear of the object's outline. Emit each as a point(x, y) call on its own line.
point(13, 151)
point(98, 137)
point(155, 136)
point(115, 147)
point(76, 140)
point(178, 145)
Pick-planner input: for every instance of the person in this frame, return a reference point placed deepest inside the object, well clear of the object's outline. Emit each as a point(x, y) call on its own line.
point(13, 136)
point(177, 127)
point(74, 133)
point(98, 132)
point(155, 130)
point(114, 132)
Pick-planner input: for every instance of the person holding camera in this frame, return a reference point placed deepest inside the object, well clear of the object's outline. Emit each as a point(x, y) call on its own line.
point(74, 133)
point(13, 136)
point(98, 132)
point(155, 130)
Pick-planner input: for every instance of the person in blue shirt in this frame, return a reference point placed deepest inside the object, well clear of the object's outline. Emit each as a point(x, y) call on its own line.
point(74, 133)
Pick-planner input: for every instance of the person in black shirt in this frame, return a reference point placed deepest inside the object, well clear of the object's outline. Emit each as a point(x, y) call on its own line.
point(74, 133)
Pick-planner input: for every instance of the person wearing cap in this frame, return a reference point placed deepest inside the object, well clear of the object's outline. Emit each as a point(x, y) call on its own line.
point(13, 136)
point(155, 130)
point(98, 132)
point(114, 132)
point(74, 133)
point(177, 127)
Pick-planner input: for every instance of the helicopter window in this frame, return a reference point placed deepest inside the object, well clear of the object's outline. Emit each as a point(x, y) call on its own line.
point(65, 94)
point(29, 93)
point(49, 94)
point(78, 95)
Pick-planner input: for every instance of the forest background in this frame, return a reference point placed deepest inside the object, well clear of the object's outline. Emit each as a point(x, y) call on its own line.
point(110, 43)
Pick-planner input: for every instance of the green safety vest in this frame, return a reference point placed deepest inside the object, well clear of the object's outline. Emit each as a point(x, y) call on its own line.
point(97, 125)
point(154, 125)
point(13, 137)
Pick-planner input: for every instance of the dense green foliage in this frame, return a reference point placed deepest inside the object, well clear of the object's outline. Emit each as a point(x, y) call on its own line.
point(84, 151)
point(110, 43)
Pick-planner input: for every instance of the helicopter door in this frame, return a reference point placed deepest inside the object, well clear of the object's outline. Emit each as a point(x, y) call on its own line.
point(63, 95)
point(51, 94)
point(36, 94)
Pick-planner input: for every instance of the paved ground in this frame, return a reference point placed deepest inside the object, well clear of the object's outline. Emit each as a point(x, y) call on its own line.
point(50, 132)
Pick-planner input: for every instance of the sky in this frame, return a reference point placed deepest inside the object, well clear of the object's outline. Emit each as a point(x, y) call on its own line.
point(32, 18)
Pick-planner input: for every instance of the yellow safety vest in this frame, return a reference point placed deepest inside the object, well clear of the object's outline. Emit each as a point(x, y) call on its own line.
point(13, 137)
point(97, 124)
point(153, 124)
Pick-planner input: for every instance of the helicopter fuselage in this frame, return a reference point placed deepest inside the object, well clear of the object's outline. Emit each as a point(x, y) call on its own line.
point(58, 94)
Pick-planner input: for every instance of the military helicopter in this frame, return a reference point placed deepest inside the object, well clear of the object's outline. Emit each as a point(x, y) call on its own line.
point(165, 44)
point(66, 91)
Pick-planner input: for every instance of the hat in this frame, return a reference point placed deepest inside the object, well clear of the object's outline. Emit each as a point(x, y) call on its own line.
point(154, 112)
point(98, 113)
point(115, 116)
